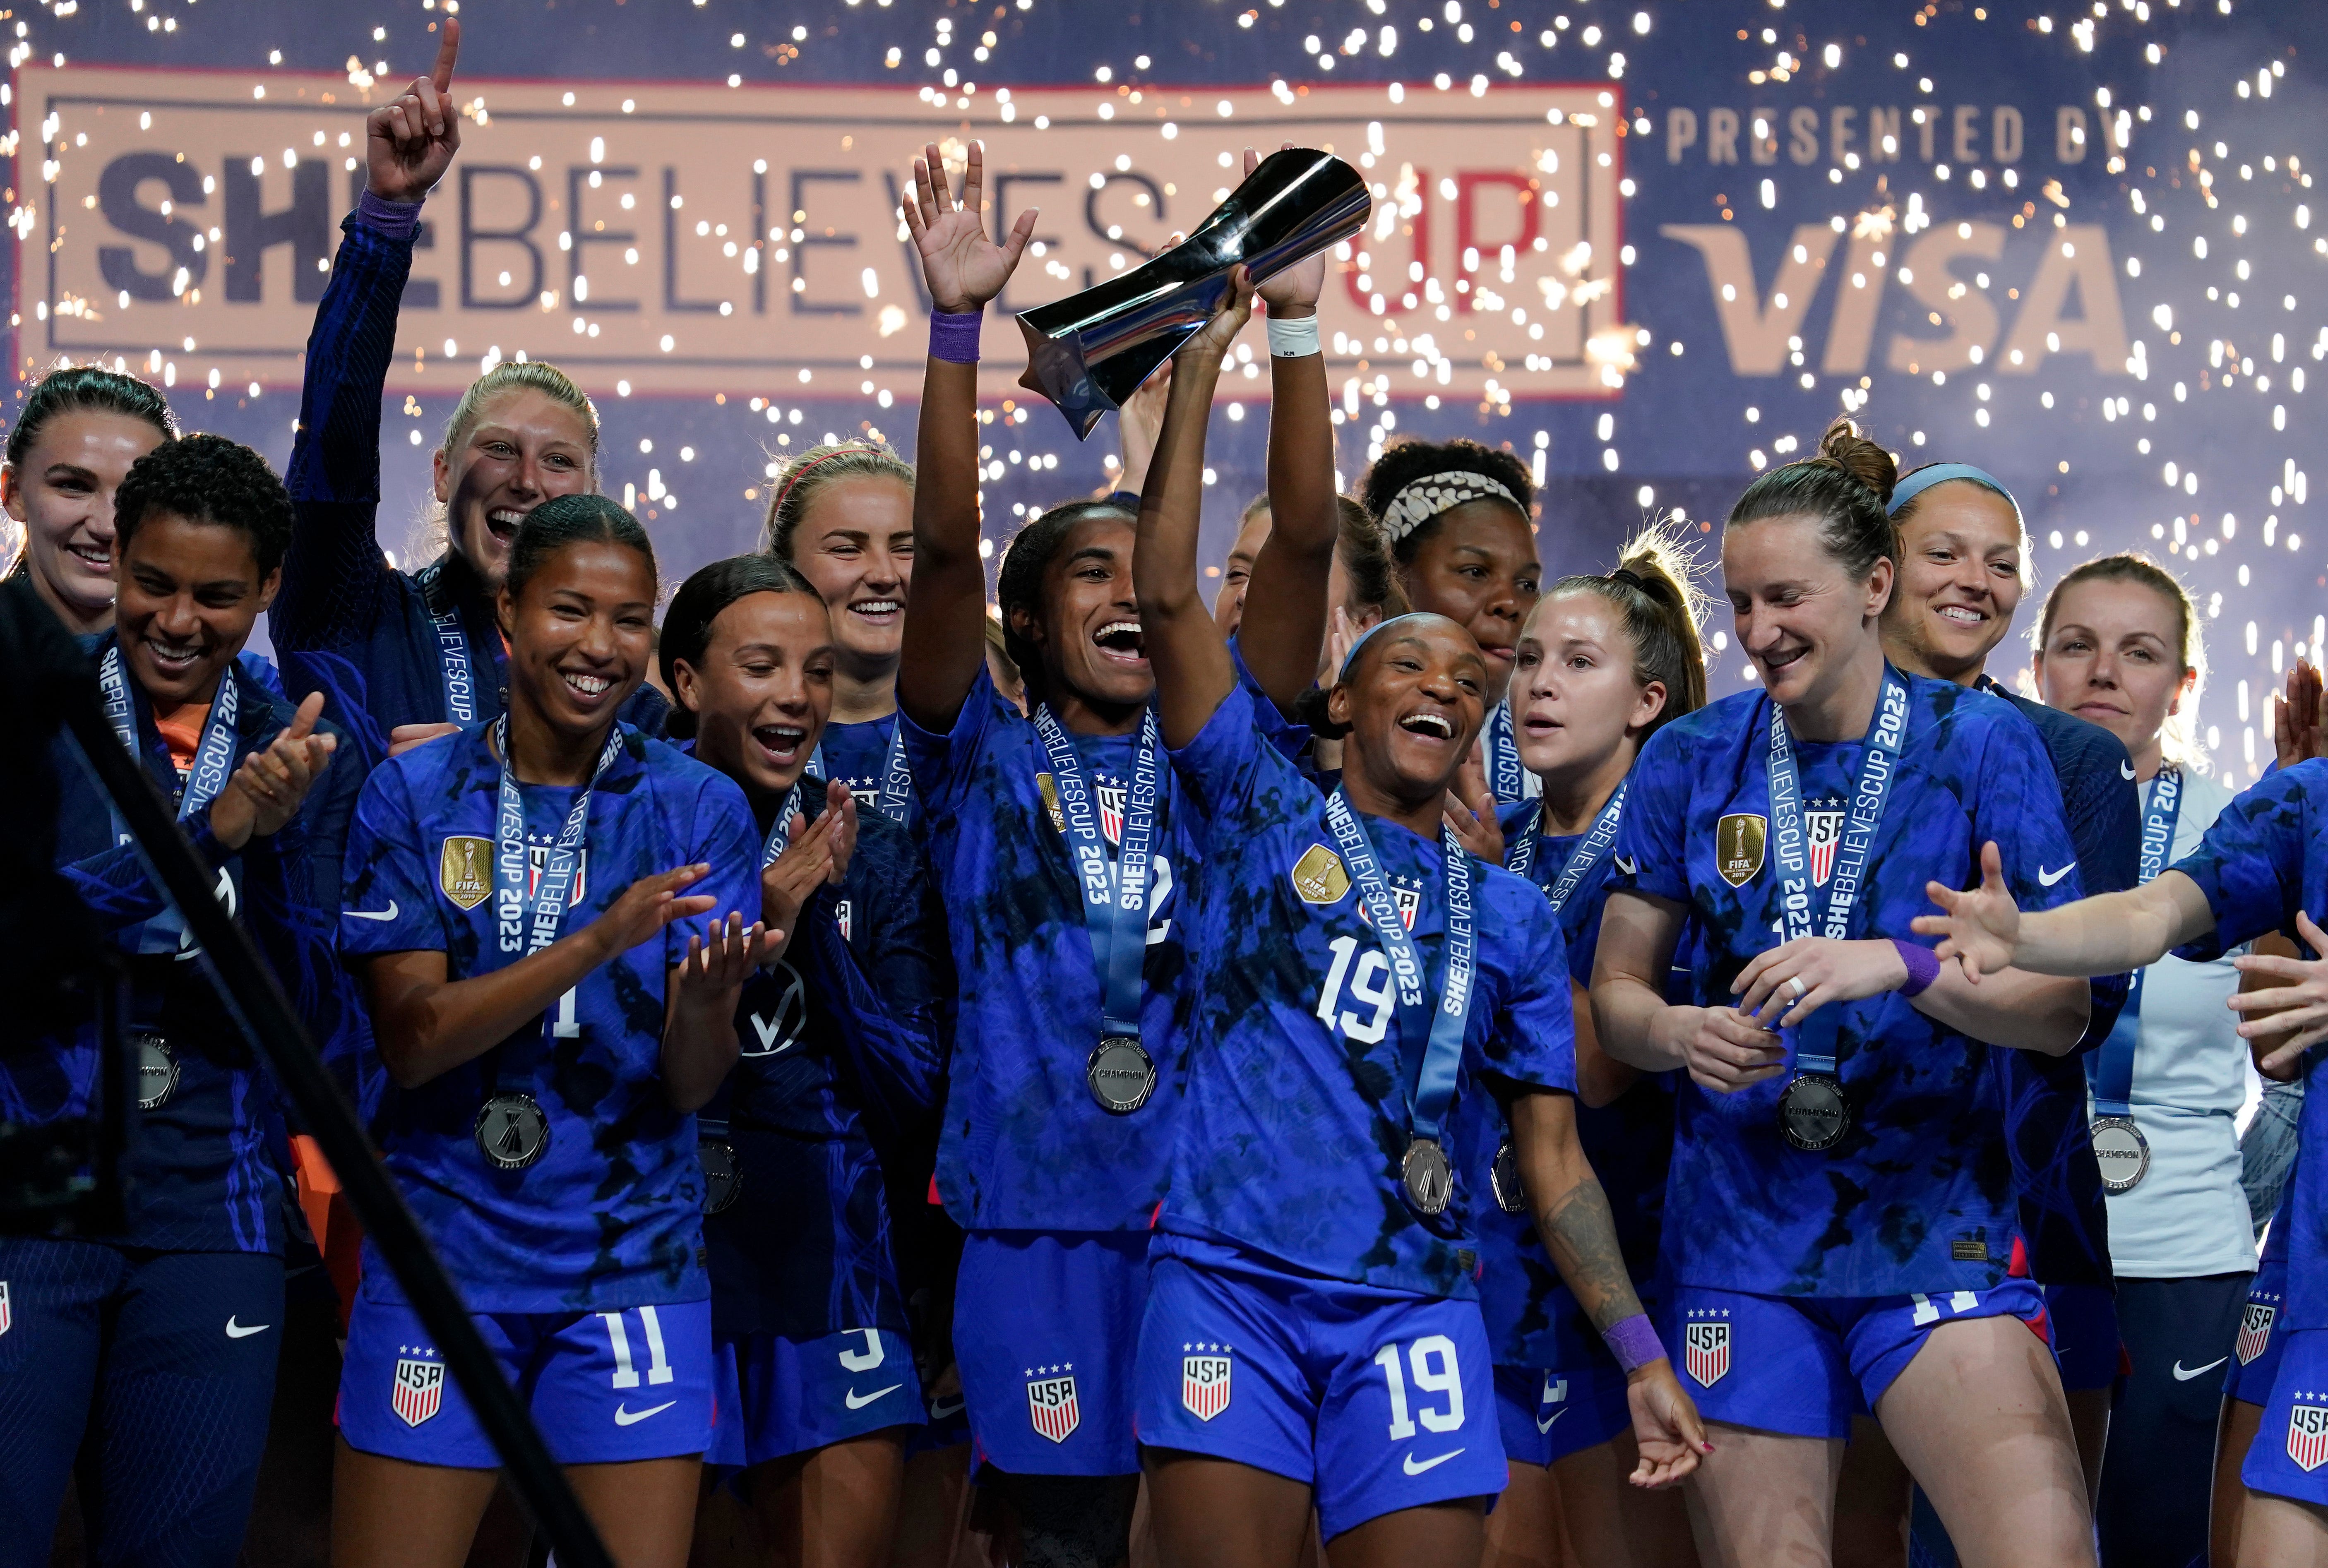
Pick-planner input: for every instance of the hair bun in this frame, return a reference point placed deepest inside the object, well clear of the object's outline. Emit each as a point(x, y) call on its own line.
point(1844, 447)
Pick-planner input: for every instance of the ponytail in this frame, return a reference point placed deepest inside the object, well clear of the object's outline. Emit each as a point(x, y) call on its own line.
point(1656, 592)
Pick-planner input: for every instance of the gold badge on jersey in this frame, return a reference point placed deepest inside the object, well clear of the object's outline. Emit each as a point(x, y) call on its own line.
point(1738, 841)
point(464, 870)
point(1318, 876)
point(1051, 802)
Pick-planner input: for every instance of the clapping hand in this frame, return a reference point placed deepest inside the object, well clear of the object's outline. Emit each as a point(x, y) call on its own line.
point(266, 790)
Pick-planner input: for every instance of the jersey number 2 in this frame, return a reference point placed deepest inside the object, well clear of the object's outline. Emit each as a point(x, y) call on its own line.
point(1432, 1360)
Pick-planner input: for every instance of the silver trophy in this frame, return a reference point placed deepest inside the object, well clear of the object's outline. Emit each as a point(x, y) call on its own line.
point(1091, 351)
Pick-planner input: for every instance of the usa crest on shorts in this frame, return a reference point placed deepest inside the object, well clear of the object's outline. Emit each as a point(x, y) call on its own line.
point(1051, 1400)
point(419, 1390)
point(1706, 1350)
point(1205, 1380)
point(2255, 1330)
point(2307, 1435)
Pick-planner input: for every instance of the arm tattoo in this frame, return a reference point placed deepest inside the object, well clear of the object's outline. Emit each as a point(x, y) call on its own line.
point(1580, 1234)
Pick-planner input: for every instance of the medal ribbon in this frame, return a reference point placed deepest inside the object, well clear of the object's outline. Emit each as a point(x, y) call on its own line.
point(896, 778)
point(1115, 897)
point(1804, 908)
point(1442, 1058)
point(1598, 840)
point(452, 646)
point(777, 841)
point(527, 926)
point(1506, 774)
point(2110, 1070)
point(213, 765)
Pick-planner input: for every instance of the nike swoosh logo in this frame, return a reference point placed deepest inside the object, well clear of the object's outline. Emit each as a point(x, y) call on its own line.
point(2126, 768)
point(235, 1331)
point(856, 1402)
point(387, 914)
point(1415, 1469)
point(940, 1408)
point(1543, 1425)
point(627, 1417)
point(1630, 868)
point(2047, 878)
point(2183, 1376)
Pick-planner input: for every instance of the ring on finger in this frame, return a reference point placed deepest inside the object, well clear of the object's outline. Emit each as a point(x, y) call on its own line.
point(1796, 987)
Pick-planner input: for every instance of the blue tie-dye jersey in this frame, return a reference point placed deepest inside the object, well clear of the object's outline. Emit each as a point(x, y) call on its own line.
point(608, 1218)
point(1024, 1146)
point(2265, 859)
point(1299, 1071)
point(1919, 1195)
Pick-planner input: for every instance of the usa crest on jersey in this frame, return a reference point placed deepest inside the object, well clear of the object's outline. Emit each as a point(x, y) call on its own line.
point(2255, 1330)
point(1824, 829)
point(1111, 795)
point(419, 1390)
point(1407, 894)
point(2307, 1435)
point(1706, 1352)
point(7, 1315)
point(1051, 1403)
point(537, 861)
point(1205, 1380)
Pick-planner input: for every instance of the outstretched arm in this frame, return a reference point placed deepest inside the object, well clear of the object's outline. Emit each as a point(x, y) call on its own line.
point(1193, 671)
point(2110, 935)
point(945, 614)
point(1285, 603)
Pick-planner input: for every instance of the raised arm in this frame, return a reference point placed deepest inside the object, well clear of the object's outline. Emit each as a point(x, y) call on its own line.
point(1285, 603)
point(334, 474)
point(1185, 648)
point(945, 643)
point(2114, 932)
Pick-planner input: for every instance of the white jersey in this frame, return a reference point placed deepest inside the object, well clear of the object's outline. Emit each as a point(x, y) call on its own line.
point(2192, 1075)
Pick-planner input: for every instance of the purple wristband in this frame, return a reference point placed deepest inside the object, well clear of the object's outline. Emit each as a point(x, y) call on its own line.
point(954, 338)
point(396, 220)
point(1923, 966)
point(1633, 1342)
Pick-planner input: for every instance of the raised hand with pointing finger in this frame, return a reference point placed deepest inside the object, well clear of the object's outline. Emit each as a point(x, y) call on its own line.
point(409, 143)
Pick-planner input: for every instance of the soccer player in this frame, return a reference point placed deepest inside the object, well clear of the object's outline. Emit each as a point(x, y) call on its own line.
point(521, 903)
point(1060, 846)
point(81, 429)
point(160, 1342)
point(841, 1056)
point(1360, 976)
point(1601, 664)
point(1458, 516)
point(409, 656)
point(1836, 1226)
point(2118, 643)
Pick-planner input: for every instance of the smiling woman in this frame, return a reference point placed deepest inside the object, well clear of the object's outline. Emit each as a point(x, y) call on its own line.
point(81, 430)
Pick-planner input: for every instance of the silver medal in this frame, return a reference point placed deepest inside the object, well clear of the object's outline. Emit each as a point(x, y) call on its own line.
point(1428, 1179)
point(157, 1071)
point(2122, 1152)
point(512, 1131)
point(723, 1175)
point(1121, 1074)
point(1504, 1175)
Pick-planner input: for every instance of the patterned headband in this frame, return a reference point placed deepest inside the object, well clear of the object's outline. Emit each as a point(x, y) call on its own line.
point(1418, 503)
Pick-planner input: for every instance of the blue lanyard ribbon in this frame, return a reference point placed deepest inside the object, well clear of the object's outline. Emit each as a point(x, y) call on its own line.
point(527, 926)
point(452, 645)
point(1116, 899)
point(1598, 841)
point(778, 841)
point(896, 794)
point(2110, 1070)
point(167, 932)
point(1803, 907)
point(1442, 1058)
point(1506, 774)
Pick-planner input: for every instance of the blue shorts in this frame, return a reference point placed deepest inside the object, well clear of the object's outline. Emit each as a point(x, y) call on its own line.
point(1546, 1415)
point(166, 1362)
point(2291, 1447)
point(777, 1396)
point(2254, 1360)
point(1804, 1366)
point(1381, 1400)
point(2086, 1347)
point(604, 1387)
point(1044, 1328)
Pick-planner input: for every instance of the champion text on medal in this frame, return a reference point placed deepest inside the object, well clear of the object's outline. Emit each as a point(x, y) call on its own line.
point(1705, 1342)
point(2307, 1430)
point(1051, 1400)
point(420, 1389)
point(2255, 1327)
point(1204, 1379)
point(1320, 876)
point(464, 870)
point(1738, 843)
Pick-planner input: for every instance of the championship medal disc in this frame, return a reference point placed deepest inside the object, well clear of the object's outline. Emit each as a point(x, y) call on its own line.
point(1504, 1175)
point(1121, 1074)
point(511, 1131)
point(723, 1176)
point(1430, 1181)
point(157, 1071)
point(2122, 1152)
point(1812, 1114)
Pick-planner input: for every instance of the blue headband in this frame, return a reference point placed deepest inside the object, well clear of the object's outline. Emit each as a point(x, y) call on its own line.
point(1924, 478)
point(1351, 658)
